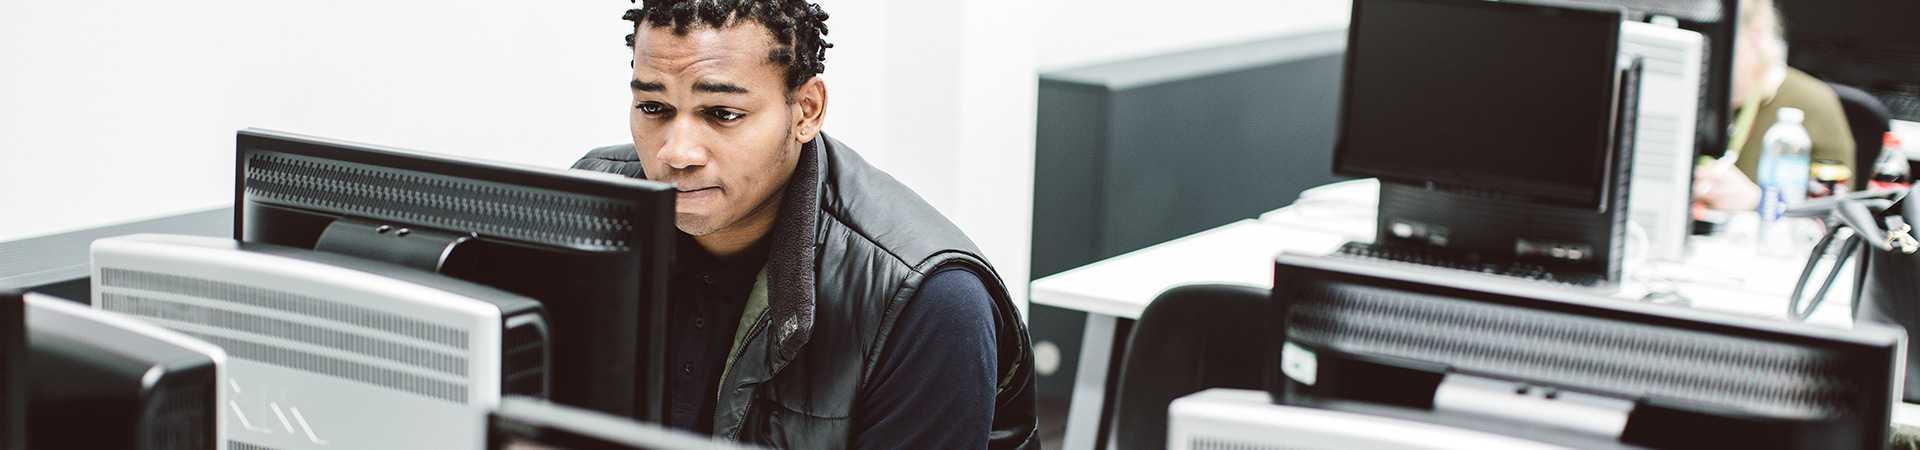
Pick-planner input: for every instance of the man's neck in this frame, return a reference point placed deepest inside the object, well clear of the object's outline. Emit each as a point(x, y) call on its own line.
point(729, 243)
point(726, 247)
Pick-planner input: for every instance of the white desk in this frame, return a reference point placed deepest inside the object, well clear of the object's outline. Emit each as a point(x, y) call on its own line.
point(1719, 273)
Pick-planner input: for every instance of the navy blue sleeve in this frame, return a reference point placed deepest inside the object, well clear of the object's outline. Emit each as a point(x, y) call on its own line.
point(934, 385)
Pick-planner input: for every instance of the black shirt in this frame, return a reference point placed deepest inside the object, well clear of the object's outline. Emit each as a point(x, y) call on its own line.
point(933, 386)
point(706, 298)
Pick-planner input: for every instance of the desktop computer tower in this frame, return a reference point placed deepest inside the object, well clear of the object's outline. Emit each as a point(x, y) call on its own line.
point(1660, 193)
point(331, 351)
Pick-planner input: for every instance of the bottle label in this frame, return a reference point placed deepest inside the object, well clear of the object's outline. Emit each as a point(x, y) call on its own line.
point(1773, 203)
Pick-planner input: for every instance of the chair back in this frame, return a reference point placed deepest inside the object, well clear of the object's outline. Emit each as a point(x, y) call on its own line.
point(1191, 338)
point(1869, 120)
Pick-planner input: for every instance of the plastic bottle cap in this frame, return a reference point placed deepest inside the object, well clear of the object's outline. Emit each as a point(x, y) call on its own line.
point(1790, 115)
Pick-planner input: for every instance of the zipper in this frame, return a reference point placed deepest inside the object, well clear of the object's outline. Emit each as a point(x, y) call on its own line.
point(758, 326)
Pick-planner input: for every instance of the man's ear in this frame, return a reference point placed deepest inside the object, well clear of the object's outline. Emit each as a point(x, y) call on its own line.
point(810, 109)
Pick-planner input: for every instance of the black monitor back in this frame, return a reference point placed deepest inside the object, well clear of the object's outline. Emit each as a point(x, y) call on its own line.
point(1385, 335)
point(101, 380)
point(593, 248)
point(13, 363)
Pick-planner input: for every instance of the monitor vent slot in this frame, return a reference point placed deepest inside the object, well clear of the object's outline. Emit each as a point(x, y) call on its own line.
point(256, 325)
point(523, 369)
point(182, 417)
point(282, 301)
point(438, 201)
point(237, 445)
point(1214, 443)
point(339, 368)
point(1609, 355)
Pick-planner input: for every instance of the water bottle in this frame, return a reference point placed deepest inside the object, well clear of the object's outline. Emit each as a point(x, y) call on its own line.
point(1785, 155)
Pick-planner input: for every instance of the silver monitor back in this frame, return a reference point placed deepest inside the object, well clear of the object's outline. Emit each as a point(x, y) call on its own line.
point(330, 351)
point(1223, 419)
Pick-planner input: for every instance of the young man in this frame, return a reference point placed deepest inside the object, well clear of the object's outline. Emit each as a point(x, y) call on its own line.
point(817, 302)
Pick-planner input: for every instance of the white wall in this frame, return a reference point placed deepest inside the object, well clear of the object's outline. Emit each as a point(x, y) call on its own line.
point(119, 110)
point(1077, 32)
point(115, 110)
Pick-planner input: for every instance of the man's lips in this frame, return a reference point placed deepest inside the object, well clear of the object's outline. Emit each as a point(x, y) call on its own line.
point(698, 192)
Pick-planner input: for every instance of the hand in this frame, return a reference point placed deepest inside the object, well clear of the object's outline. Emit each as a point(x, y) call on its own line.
point(1726, 190)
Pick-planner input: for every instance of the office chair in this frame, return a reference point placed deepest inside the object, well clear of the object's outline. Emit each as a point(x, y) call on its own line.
point(1869, 120)
point(1189, 339)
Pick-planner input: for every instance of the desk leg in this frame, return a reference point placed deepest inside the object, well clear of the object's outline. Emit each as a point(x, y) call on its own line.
point(1087, 414)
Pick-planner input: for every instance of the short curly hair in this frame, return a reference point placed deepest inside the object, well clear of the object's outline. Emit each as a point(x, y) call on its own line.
point(799, 28)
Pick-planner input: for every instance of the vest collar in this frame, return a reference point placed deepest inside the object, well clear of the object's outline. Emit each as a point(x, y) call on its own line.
point(791, 256)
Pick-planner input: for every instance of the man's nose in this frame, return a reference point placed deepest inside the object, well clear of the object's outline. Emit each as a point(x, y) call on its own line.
point(684, 147)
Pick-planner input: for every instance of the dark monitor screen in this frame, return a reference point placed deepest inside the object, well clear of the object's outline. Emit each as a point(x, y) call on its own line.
point(1508, 98)
point(593, 248)
point(1869, 44)
point(13, 362)
point(1656, 376)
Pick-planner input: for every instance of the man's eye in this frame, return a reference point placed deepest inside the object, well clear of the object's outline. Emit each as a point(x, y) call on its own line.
point(650, 108)
point(725, 115)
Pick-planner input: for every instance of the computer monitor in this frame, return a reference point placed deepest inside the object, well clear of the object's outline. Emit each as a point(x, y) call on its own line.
point(329, 350)
point(13, 366)
point(1716, 22)
point(1497, 130)
point(592, 247)
point(531, 424)
point(1485, 353)
point(1869, 44)
point(1511, 100)
point(102, 380)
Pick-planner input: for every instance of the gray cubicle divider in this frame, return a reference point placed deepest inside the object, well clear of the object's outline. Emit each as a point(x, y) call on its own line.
point(1137, 152)
point(57, 264)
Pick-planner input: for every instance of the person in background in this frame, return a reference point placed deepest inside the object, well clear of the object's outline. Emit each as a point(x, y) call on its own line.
point(815, 301)
point(1762, 84)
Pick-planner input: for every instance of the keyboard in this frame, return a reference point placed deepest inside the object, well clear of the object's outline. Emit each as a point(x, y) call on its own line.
point(1446, 259)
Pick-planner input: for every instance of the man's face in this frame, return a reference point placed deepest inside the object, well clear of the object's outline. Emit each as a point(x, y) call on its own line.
point(710, 114)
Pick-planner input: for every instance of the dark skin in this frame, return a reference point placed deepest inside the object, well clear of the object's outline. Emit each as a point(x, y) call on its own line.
point(712, 115)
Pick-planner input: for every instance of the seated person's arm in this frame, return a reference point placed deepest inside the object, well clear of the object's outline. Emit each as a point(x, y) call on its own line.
point(935, 382)
point(1726, 190)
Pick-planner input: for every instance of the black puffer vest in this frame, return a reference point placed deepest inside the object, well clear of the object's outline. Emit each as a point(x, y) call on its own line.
point(849, 249)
